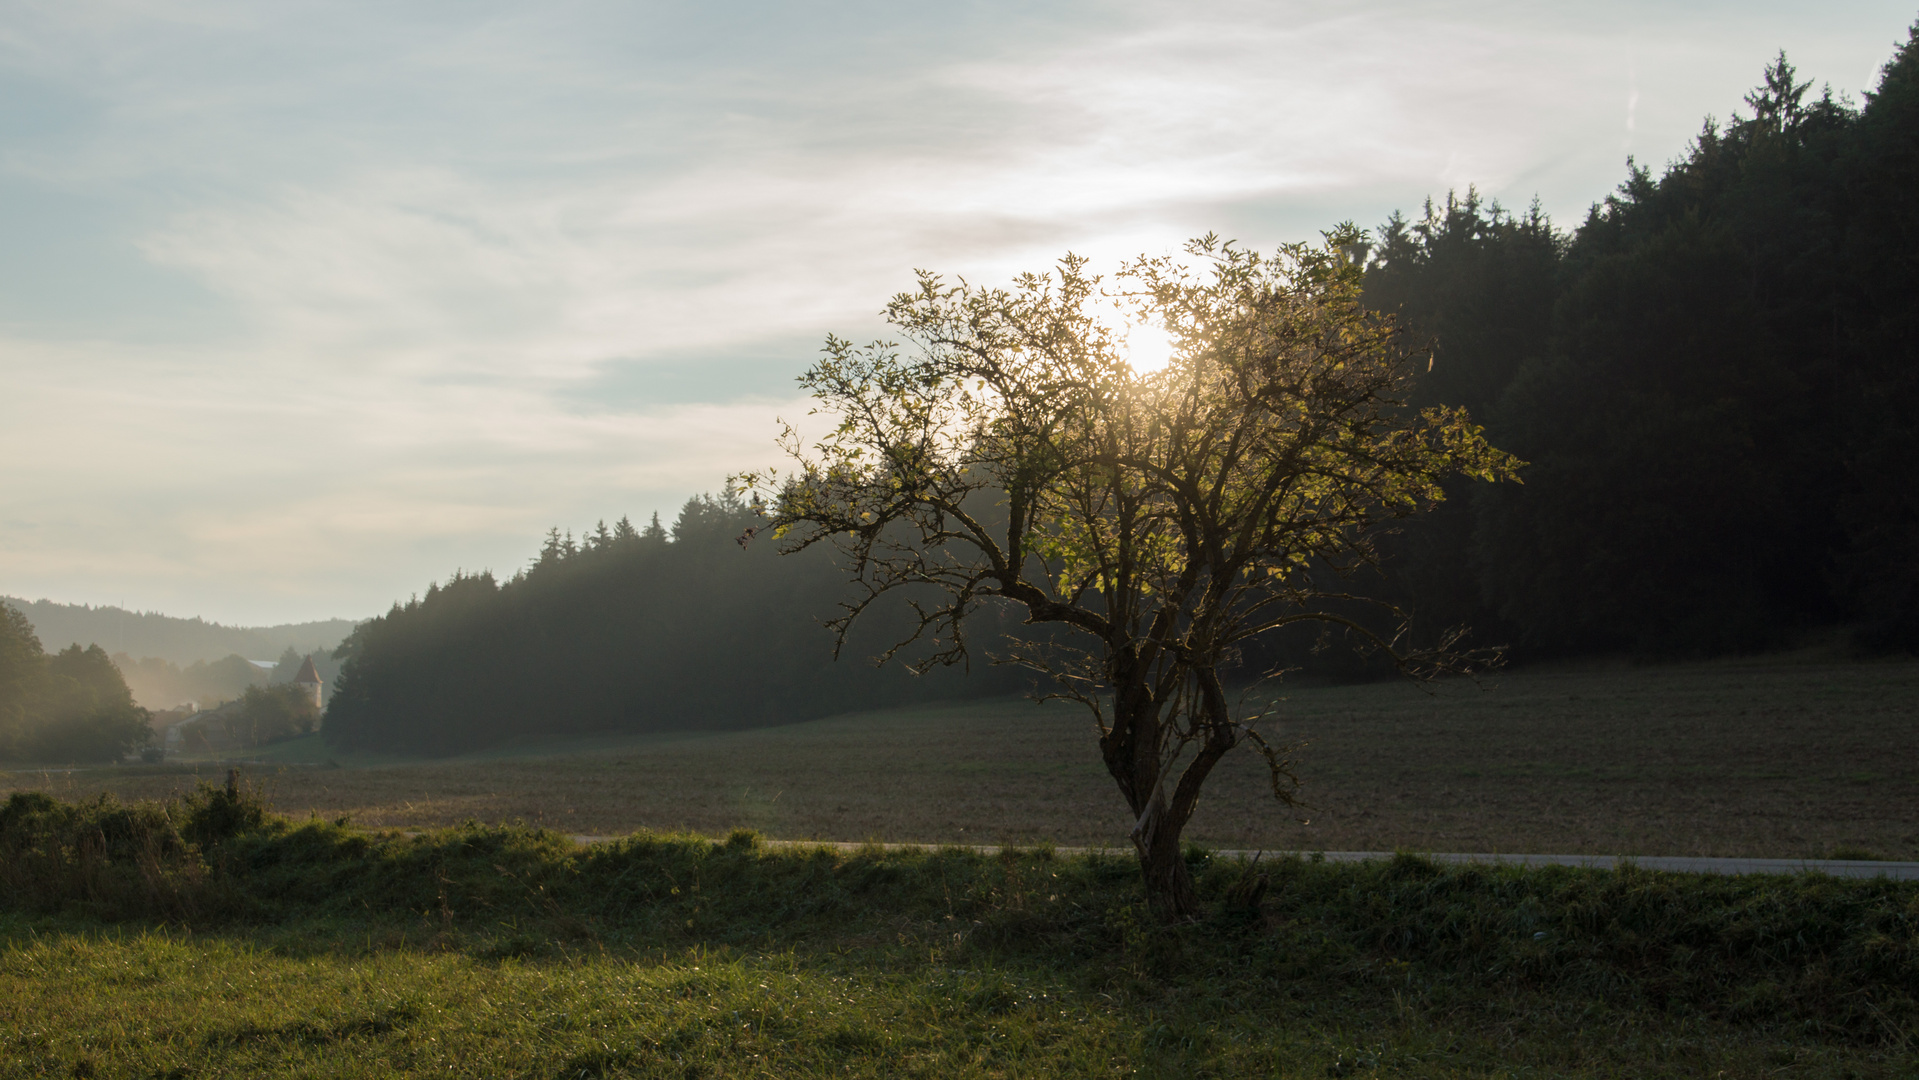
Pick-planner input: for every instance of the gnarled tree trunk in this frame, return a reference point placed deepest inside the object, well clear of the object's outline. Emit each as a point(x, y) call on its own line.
point(1169, 884)
point(1132, 749)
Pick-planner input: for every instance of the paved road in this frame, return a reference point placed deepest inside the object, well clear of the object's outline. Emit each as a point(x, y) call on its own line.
point(1897, 871)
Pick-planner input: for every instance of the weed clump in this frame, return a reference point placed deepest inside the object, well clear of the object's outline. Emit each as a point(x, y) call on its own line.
point(102, 859)
point(215, 814)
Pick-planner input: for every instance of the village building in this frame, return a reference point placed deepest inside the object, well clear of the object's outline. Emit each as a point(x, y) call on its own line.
point(309, 680)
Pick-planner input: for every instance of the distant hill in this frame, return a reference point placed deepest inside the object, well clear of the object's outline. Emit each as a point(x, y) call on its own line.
point(178, 641)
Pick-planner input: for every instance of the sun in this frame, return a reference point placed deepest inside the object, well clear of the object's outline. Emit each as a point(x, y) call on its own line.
point(1148, 349)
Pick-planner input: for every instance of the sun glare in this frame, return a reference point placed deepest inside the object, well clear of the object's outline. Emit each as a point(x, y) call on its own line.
point(1148, 349)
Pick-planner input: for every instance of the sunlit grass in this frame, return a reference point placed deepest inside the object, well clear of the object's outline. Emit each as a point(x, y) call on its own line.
point(151, 1003)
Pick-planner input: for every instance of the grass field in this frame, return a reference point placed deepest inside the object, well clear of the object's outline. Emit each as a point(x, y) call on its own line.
point(1760, 758)
point(207, 940)
point(149, 1002)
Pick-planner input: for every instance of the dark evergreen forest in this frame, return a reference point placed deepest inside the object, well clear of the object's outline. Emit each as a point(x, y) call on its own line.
point(629, 630)
point(1714, 378)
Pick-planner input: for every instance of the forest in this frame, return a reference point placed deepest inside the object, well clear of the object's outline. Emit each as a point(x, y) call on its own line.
point(631, 629)
point(1713, 379)
point(70, 706)
point(78, 704)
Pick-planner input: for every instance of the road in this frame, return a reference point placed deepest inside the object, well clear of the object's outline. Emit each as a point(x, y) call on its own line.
point(1897, 871)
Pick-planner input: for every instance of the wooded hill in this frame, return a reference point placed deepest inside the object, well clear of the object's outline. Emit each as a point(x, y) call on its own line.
point(181, 642)
point(1715, 379)
point(630, 630)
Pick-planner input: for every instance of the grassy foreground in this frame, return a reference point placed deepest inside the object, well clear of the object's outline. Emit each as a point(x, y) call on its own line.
point(206, 937)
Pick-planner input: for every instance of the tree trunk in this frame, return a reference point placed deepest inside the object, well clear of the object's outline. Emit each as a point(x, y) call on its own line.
point(1169, 885)
point(1131, 750)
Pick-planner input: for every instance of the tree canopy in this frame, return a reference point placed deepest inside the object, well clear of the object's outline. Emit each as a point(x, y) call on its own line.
point(1016, 452)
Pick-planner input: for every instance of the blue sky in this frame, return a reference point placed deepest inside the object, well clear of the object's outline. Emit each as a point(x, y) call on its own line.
point(304, 305)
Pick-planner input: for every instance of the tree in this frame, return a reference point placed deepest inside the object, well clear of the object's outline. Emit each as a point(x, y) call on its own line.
point(639, 635)
point(654, 533)
point(1475, 284)
point(89, 711)
point(1163, 518)
point(1879, 504)
point(72, 706)
point(22, 672)
point(266, 714)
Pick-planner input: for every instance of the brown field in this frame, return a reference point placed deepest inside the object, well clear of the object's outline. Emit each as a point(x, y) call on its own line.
point(1772, 758)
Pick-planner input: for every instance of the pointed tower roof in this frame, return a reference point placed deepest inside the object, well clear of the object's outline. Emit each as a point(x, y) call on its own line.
point(308, 673)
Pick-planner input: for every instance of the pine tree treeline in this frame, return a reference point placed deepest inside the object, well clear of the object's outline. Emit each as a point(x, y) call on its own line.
point(630, 630)
point(1715, 379)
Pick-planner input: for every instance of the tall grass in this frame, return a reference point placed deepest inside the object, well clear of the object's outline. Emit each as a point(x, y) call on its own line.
point(1840, 955)
point(114, 861)
point(1750, 961)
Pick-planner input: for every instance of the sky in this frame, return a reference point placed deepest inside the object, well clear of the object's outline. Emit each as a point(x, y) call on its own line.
point(306, 305)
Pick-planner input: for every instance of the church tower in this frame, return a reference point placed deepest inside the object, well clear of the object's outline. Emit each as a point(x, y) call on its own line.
point(309, 680)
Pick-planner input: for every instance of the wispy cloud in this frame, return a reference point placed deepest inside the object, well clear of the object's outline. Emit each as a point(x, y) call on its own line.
point(368, 293)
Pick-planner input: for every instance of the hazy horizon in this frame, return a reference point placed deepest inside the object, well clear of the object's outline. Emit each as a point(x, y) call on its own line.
point(304, 308)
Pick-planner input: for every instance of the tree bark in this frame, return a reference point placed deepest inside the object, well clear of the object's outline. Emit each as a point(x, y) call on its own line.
point(1131, 749)
point(1169, 885)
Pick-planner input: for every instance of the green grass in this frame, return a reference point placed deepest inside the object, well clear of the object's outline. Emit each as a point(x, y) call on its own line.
point(206, 938)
